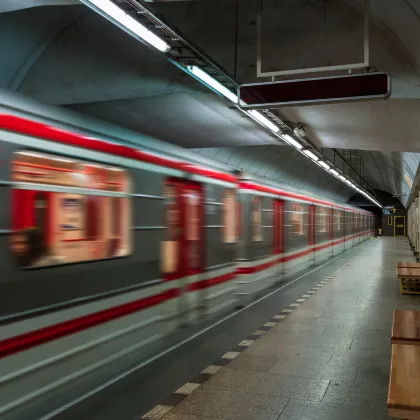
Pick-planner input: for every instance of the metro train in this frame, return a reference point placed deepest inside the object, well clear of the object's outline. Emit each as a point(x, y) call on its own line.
point(107, 250)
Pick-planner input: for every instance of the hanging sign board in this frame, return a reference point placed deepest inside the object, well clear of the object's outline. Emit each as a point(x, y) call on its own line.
point(314, 91)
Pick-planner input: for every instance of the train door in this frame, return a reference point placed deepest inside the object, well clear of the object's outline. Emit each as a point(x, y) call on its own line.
point(182, 248)
point(41, 215)
point(312, 232)
point(193, 228)
point(278, 226)
point(354, 224)
point(331, 230)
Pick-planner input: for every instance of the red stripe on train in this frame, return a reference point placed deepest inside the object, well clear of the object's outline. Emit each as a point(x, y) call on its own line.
point(204, 284)
point(276, 191)
point(265, 266)
point(48, 132)
point(44, 335)
point(63, 329)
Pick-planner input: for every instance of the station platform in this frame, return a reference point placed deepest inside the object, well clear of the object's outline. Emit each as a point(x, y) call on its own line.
point(325, 356)
point(316, 348)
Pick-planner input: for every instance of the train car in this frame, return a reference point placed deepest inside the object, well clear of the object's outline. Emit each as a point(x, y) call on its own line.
point(107, 250)
point(284, 232)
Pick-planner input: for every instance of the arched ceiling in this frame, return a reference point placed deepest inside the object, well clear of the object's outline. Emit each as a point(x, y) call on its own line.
point(68, 56)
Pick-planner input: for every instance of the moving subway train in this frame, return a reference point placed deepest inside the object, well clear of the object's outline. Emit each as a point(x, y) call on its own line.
point(107, 249)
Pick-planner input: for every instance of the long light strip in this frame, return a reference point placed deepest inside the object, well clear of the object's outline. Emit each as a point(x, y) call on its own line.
point(311, 155)
point(116, 13)
point(334, 172)
point(217, 86)
point(324, 165)
point(292, 141)
point(264, 121)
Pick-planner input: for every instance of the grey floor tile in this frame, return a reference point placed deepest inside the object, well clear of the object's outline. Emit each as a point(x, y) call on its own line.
point(378, 324)
point(309, 368)
point(249, 361)
point(176, 415)
point(355, 332)
point(359, 394)
point(291, 328)
point(371, 343)
point(373, 376)
point(303, 410)
point(301, 352)
point(307, 313)
point(299, 320)
point(230, 405)
point(270, 384)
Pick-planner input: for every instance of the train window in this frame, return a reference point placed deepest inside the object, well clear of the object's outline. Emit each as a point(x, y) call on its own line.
point(337, 220)
point(229, 228)
point(192, 215)
point(65, 226)
point(323, 220)
point(297, 219)
point(238, 220)
point(170, 245)
point(256, 219)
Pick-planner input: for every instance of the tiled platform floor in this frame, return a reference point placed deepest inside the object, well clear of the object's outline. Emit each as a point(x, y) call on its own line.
point(326, 360)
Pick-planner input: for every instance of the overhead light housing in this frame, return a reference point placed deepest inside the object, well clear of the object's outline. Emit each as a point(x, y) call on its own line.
point(324, 165)
point(311, 155)
point(342, 178)
point(334, 172)
point(264, 121)
point(292, 141)
point(115, 13)
point(213, 83)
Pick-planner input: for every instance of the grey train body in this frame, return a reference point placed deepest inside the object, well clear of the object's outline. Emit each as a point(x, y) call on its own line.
point(74, 326)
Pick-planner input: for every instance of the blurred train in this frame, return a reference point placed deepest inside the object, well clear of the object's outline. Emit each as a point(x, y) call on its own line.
point(107, 249)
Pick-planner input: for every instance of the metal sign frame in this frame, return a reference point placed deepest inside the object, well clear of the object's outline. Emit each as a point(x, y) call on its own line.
point(266, 105)
point(272, 74)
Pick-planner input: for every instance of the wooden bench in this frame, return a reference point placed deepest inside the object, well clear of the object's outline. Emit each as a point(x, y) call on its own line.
point(406, 328)
point(404, 384)
point(408, 264)
point(410, 280)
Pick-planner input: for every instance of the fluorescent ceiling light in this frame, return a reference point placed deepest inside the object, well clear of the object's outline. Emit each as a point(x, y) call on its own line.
point(292, 141)
point(213, 83)
point(264, 121)
point(342, 178)
point(114, 12)
point(334, 172)
point(311, 155)
point(324, 165)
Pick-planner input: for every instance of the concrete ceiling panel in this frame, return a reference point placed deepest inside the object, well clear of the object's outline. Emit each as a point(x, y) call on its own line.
point(70, 56)
point(169, 118)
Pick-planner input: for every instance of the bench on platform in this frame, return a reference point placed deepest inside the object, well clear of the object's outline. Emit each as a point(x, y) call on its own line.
point(406, 327)
point(410, 280)
point(404, 384)
point(408, 264)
